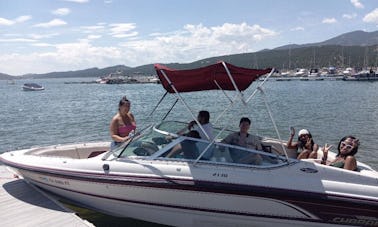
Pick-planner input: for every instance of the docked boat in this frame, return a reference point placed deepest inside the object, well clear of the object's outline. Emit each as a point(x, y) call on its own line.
point(364, 75)
point(145, 179)
point(32, 87)
point(314, 72)
point(301, 73)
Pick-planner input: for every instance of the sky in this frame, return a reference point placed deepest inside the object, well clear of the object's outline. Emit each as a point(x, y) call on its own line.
point(40, 36)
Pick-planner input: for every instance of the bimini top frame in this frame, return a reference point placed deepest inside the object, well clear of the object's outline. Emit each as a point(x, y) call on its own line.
point(219, 76)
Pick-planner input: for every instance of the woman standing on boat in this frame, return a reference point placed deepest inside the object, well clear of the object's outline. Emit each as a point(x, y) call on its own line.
point(123, 123)
point(305, 144)
point(347, 148)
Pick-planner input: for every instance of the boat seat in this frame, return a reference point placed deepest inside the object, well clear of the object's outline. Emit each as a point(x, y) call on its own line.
point(275, 146)
point(140, 151)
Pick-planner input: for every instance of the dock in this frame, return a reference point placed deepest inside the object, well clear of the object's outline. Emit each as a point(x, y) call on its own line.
point(25, 205)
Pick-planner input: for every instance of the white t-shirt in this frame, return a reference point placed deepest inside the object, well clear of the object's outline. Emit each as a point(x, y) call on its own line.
point(208, 129)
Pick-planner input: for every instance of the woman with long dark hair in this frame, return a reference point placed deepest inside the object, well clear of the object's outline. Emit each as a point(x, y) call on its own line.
point(122, 124)
point(347, 148)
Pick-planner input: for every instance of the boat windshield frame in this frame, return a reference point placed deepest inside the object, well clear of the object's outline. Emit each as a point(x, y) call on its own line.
point(157, 141)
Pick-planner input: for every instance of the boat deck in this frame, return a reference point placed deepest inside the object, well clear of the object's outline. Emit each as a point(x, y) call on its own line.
point(25, 205)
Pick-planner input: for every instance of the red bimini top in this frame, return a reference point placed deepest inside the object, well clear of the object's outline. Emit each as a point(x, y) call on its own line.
point(212, 77)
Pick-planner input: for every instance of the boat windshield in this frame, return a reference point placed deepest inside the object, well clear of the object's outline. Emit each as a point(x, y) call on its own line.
point(163, 143)
point(146, 143)
point(151, 140)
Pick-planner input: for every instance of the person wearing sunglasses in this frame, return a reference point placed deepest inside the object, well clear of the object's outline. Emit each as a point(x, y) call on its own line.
point(347, 148)
point(305, 144)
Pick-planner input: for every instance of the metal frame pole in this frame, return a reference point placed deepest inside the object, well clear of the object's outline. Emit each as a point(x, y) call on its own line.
point(184, 103)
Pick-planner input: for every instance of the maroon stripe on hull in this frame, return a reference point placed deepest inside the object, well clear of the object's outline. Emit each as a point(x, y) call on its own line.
point(181, 207)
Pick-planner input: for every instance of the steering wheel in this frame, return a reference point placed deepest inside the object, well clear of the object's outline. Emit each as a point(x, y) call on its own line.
point(146, 148)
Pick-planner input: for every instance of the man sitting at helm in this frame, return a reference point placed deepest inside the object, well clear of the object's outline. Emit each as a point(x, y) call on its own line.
point(204, 119)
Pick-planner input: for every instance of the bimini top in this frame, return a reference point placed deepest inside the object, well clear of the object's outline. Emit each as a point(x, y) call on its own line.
point(212, 77)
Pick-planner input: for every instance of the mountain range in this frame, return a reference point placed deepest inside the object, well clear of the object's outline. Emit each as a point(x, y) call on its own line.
point(356, 38)
point(353, 49)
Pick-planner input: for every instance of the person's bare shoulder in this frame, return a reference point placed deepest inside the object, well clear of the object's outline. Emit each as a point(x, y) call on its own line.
point(115, 118)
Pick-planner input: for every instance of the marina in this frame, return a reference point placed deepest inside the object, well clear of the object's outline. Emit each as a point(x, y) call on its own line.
point(331, 73)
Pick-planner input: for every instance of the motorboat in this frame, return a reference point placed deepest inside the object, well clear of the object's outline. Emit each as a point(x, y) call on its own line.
point(348, 71)
point(364, 75)
point(314, 72)
point(32, 87)
point(200, 184)
point(301, 73)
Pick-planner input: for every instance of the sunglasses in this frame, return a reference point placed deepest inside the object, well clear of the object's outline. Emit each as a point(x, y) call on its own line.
point(348, 146)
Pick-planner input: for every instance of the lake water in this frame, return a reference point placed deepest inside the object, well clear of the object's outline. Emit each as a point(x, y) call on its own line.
point(68, 113)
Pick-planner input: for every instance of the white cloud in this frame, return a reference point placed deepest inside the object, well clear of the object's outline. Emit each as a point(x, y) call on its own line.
point(241, 31)
point(11, 35)
point(43, 36)
point(61, 11)
point(42, 45)
point(297, 29)
point(349, 16)
point(191, 43)
point(94, 36)
point(357, 4)
point(90, 29)
point(17, 40)
point(67, 56)
point(122, 30)
point(195, 42)
point(6, 22)
point(126, 35)
point(371, 17)
point(329, 21)
point(52, 23)
point(82, 53)
point(19, 19)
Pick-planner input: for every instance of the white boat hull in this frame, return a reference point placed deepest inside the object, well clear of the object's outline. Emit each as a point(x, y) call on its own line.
point(182, 194)
point(25, 88)
point(190, 208)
